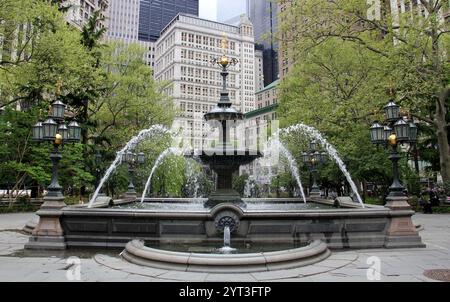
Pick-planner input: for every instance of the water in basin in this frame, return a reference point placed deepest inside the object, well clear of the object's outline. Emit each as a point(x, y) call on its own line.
point(215, 248)
point(198, 206)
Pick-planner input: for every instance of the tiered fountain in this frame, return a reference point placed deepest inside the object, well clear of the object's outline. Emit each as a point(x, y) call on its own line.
point(265, 234)
point(225, 159)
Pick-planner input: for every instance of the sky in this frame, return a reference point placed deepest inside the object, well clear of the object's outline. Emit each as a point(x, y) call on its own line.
point(208, 9)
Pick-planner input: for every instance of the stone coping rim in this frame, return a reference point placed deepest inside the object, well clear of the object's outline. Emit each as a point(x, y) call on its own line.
point(136, 252)
point(384, 212)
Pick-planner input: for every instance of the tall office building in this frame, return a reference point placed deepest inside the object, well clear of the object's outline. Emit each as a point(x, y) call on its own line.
point(154, 15)
point(141, 21)
point(230, 10)
point(183, 57)
point(259, 70)
point(286, 56)
point(263, 14)
point(124, 25)
point(123, 20)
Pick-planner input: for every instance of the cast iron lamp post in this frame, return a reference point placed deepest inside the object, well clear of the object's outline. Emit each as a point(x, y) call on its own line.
point(401, 231)
point(313, 158)
point(48, 234)
point(54, 130)
point(398, 130)
point(133, 160)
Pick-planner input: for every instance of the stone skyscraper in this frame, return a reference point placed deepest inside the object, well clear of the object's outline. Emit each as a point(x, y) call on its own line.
point(183, 58)
point(141, 21)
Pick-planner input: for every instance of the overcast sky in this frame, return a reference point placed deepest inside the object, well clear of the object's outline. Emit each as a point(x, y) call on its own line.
point(208, 9)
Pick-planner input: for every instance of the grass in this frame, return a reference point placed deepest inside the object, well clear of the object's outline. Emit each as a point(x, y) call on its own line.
point(373, 201)
point(441, 210)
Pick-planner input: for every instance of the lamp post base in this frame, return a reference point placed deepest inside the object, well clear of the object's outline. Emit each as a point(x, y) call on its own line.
point(130, 195)
point(401, 232)
point(48, 234)
point(314, 193)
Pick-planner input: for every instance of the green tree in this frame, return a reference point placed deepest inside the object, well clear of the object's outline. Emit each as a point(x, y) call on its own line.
point(170, 177)
point(328, 89)
point(239, 183)
point(26, 163)
point(131, 100)
point(42, 49)
point(402, 51)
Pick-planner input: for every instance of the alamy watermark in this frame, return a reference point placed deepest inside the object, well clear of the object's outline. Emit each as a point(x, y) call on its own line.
point(74, 269)
point(373, 272)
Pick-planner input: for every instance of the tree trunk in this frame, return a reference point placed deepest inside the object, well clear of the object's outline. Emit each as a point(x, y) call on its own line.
point(442, 135)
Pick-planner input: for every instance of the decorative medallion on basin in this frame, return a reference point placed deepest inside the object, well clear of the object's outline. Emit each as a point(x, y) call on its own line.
point(226, 219)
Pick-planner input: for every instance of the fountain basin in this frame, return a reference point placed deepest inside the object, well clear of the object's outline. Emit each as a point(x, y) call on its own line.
point(136, 252)
point(266, 223)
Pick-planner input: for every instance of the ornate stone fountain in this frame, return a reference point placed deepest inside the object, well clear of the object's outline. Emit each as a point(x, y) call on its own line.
point(225, 159)
point(308, 229)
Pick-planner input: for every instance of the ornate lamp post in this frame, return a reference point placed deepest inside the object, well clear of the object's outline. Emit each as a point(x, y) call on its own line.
point(133, 160)
point(48, 233)
point(312, 159)
point(398, 130)
point(401, 232)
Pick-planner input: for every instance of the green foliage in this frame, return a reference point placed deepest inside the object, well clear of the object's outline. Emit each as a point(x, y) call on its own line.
point(22, 161)
point(170, 177)
point(108, 88)
point(282, 184)
point(239, 183)
point(446, 187)
point(345, 64)
point(411, 180)
point(441, 210)
point(49, 50)
point(328, 90)
point(72, 169)
point(130, 101)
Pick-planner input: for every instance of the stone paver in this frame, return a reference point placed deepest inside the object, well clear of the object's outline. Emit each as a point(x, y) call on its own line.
point(396, 265)
point(14, 221)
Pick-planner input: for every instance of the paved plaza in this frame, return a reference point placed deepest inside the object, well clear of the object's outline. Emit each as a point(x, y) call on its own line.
point(372, 265)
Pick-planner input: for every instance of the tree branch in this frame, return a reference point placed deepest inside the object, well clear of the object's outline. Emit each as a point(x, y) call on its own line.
point(422, 118)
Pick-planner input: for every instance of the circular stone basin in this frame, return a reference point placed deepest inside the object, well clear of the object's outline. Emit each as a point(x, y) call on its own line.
point(136, 252)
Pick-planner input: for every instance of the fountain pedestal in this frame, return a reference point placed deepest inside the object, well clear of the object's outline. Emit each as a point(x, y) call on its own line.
point(48, 234)
point(401, 232)
point(225, 162)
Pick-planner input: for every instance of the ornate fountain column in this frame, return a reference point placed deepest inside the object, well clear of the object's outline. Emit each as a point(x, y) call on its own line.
point(225, 159)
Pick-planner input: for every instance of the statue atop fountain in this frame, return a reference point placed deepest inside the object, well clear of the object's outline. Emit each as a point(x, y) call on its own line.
point(225, 158)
